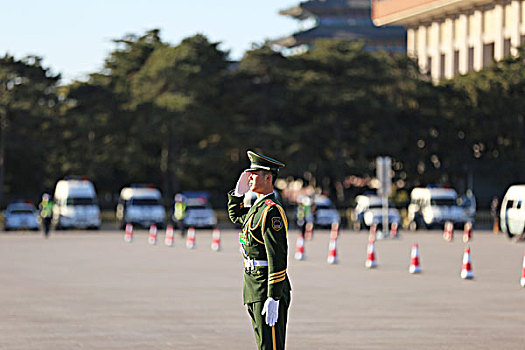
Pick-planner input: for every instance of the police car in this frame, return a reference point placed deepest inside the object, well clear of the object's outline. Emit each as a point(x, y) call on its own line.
point(325, 214)
point(20, 215)
point(199, 213)
point(369, 211)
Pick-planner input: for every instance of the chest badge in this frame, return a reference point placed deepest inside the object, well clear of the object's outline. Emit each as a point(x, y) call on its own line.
point(277, 224)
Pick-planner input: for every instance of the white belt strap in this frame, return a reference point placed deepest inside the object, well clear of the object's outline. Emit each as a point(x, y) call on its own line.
point(250, 264)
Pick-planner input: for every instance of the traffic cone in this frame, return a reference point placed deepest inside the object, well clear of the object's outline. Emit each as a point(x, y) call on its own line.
point(372, 233)
point(448, 231)
point(216, 239)
point(466, 270)
point(370, 255)
point(169, 236)
point(332, 251)
point(152, 238)
point(190, 238)
point(334, 230)
point(414, 260)
point(309, 231)
point(467, 231)
point(128, 236)
point(522, 281)
point(394, 230)
point(299, 248)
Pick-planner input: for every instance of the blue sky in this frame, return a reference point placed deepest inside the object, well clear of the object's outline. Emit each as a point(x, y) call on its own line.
point(74, 37)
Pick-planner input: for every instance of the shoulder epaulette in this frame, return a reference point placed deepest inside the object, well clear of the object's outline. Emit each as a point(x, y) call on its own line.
point(269, 202)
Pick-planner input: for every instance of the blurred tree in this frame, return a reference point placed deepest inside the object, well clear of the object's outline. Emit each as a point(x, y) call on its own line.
point(177, 96)
point(28, 104)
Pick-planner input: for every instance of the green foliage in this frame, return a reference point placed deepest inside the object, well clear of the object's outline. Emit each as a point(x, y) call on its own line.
point(182, 117)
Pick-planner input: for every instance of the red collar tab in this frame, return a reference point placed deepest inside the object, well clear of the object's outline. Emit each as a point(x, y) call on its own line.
point(269, 202)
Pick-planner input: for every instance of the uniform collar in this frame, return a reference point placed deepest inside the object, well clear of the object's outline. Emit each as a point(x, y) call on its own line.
point(259, 200)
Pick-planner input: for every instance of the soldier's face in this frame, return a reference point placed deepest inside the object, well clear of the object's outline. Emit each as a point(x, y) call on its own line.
point(259, 181)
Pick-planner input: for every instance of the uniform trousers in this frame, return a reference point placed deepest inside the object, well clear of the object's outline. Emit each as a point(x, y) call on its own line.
point(266, 337)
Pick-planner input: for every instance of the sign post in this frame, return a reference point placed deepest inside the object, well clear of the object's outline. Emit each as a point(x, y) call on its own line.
point(383, 172)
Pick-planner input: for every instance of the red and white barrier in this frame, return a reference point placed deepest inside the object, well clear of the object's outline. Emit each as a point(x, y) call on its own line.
point(370, 255)
point(466, 269)
point(522, 281)
point(372, 233)
point(168, 240)
point(414, 260)
point(299, 248)
point(332, 251)
point(467, 232)
point(190, 238)
point(216, 239)
point(128, 235)
point(309, 231)
point(448, 231)
point(152, 237)
point(394, 230)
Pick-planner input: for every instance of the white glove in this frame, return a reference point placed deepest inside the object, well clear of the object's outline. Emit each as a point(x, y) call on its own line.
point(242, 184)
point(271, 309)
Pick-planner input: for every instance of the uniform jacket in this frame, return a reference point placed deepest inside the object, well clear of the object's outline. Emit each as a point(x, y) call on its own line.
point(263, 237)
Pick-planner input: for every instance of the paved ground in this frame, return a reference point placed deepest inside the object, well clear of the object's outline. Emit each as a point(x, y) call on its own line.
point(91, 290)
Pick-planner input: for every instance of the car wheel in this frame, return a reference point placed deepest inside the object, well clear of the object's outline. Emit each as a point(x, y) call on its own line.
point(412, 226)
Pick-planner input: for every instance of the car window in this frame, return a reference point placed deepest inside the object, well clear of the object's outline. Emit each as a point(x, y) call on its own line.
point(510, 203)
point(197, 207)
point(443, 202)
point(21, 211)
point(145, 201)
point(81, 201)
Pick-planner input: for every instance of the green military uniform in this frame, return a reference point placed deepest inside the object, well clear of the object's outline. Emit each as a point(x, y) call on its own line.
point(264, 242)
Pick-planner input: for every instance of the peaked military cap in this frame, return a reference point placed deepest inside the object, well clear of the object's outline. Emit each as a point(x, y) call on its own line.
point(260, 162)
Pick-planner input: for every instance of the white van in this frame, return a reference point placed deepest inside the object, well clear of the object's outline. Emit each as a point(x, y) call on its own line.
point(433, 206)
point(140, 205)
point(76, 205)
point(512, 212)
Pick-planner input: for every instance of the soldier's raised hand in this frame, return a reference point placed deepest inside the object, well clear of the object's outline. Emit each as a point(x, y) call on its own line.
point(242, 184)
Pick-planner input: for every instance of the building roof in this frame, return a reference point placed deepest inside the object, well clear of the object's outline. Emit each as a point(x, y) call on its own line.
point(338, 19)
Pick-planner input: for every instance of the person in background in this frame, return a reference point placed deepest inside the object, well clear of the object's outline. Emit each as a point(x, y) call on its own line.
point(46, 213)
point(179, 212)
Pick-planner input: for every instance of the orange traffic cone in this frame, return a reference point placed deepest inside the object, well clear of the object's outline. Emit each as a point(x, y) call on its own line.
point(299, 248)
point(522, 281)
point(152, 238)
point(128, 236)
point(448, 231)
point(216, 239)
point(372, 233)
point(414, 260)
point(394, 230)
point(332, 251)
point(309, 231)
point(467, 231)
point(169, 236)
point(370, 255)
point(190, 238)
point(466, 270)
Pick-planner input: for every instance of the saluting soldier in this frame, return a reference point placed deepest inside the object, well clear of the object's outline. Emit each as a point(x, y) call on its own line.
point(264, 246)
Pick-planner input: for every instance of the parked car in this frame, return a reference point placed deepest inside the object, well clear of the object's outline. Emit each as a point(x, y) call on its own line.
point(199, 213)
point(433, 206)
point(369, 211)
point(76, 204)
point(512, 212)
point(140, 205)
point(21, 215)
point(325, 213)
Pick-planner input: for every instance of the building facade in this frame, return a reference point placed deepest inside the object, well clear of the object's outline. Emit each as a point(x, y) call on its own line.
point(339, 19)
point(451, 37)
